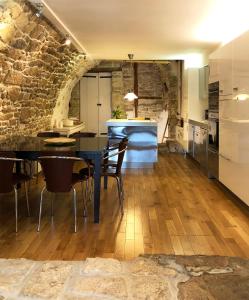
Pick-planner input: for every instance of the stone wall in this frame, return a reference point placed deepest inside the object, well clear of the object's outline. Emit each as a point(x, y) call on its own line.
point(158, 91)
point(37, 72)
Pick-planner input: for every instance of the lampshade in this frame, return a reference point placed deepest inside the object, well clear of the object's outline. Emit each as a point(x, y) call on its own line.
point(130, 96)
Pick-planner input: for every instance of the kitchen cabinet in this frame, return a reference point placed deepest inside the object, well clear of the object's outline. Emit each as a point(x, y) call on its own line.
point(198, 142)
point(241, 65)
point(235, 177)
point(191, 130)
point(233, 114)
point(230, 66)
point(221, 67)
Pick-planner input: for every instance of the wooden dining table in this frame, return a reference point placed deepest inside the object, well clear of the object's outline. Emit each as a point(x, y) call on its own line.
point(29, 147)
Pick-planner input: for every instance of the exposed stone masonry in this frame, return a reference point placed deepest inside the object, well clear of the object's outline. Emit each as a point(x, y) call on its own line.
point(36, 70)
point(155, 277)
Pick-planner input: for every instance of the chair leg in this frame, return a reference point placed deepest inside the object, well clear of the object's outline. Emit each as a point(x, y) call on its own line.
point(37, 174)
point(119, 191)
point(75, 209)
point(16, 207)
point(84, 200)
point(52, 206)
point(122, 193)
point(122, 187)
point(40, 212)
point(27, 197)
point(92, 189)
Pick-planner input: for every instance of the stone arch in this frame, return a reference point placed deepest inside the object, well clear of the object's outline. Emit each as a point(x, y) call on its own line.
point(37, 71)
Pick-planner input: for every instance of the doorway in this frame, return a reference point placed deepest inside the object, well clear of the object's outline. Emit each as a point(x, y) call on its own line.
point(95, 101)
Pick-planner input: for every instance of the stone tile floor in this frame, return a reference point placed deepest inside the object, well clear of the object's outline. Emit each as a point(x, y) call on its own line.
point(146, 277)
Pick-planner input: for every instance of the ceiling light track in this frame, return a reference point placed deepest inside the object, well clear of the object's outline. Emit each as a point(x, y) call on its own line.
point(44, 8)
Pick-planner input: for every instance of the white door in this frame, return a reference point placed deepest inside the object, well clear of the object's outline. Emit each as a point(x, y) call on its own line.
point(95, 101)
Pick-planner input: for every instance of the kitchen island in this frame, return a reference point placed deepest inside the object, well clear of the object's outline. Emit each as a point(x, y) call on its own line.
point(142, 145)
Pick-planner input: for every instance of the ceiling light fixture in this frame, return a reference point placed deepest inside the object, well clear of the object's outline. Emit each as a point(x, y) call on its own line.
point(3, 25)
point(130, 96)
point(39, 6)
point(68, 41)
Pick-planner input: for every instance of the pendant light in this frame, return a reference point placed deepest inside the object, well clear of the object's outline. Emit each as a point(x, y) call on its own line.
point(130, 96)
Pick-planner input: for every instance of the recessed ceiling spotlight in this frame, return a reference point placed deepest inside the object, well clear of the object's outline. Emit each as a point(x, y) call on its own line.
point(39, 6)
point(68, 41)
point(3, 25)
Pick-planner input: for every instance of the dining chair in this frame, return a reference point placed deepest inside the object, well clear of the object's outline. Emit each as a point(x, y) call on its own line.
point(10, 180)
point(48, 134)
point(30, 162)
point(89, 189)
point(112, 168)
point(59, 178)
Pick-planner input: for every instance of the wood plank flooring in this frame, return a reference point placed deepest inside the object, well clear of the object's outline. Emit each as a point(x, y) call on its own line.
point(173, 209)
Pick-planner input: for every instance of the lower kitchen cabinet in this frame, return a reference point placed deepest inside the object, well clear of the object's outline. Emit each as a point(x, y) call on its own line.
point(234, 149)
point(235, 176)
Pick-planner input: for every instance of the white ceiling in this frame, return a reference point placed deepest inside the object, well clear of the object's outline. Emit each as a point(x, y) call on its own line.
point(151, 29)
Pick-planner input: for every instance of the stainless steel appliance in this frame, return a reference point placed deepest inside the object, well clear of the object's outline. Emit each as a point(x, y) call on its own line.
point(213, 130)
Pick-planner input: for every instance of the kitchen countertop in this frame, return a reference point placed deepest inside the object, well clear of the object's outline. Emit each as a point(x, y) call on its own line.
point(126, 122)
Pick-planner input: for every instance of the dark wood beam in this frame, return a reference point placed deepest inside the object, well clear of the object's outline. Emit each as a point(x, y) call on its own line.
point(136, 88)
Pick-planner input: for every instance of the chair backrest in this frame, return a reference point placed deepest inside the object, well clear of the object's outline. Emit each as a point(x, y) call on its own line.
point(83, 134)
point(48, 134)
point(6, 174)
point(119, 149)
point(121, 152)
point(58, 171)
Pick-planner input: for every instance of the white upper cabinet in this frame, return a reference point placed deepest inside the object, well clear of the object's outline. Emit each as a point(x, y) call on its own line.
point(221, 69)
point(241, 65)
point(230, 66)
point(231, 69)
point(226, 71)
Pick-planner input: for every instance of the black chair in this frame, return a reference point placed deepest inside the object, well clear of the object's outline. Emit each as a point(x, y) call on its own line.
point(10, 180)
point(59, 178)
point(83, 135)
point(111, 169)
point(48, 134)
point(45, 134)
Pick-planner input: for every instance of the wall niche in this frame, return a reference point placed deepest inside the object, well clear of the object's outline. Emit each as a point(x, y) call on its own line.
point(159, 85)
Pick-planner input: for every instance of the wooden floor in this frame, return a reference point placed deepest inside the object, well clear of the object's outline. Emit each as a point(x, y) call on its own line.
point(173, 209)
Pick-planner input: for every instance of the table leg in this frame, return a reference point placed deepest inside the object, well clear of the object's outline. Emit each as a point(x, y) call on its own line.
point(18, 171)
point(97, 184)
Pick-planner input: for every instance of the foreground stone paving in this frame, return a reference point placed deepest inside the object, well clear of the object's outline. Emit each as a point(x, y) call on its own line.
point(146, 277)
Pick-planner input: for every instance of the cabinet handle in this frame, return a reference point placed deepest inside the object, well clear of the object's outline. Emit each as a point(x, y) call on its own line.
point(235, 89)
point(228, 159)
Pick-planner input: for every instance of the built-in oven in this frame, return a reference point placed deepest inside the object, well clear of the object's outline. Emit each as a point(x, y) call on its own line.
point(213, 96)
point(213, 130)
